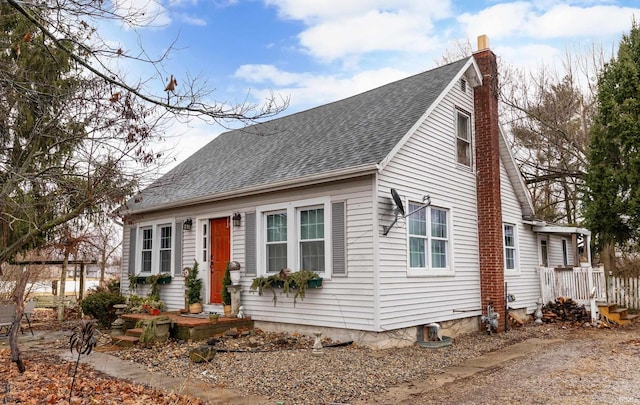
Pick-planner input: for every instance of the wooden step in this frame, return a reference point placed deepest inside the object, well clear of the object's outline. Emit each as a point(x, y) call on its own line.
point(124, 341)
point(622, 312)
point(136, 332)
point(606, 306)
point(617, 315)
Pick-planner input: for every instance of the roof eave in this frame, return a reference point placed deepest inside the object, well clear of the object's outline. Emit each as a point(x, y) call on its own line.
point(561, 229)
point(342, 174)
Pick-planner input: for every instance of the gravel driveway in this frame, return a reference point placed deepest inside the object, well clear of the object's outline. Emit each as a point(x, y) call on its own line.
point(565, 366)
point(585, 366)
point(534, 364)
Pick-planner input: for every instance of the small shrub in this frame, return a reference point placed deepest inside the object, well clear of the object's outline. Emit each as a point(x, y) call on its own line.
point(136, 304)
point(193, 285)
point(114, 286)
point(226, 281)
point(100, 306)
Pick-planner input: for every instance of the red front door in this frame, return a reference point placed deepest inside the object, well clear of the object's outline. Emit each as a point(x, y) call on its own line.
point(220, 255)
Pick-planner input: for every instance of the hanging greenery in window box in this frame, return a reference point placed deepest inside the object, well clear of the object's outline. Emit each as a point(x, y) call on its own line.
point(163, 278)
point(289, 281)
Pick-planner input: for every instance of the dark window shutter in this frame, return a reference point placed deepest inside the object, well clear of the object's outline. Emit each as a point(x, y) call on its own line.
point(338, 239)
point(250, 244)
point(132, 250)
point(177, 253)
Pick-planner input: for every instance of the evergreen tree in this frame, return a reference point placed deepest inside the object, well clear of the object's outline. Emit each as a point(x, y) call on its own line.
point(36, 134)
point(612, 195)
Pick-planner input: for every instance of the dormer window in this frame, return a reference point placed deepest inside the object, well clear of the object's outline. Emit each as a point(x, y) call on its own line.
point(463, 138)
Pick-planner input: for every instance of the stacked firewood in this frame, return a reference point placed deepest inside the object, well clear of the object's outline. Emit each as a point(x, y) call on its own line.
point(564, 310)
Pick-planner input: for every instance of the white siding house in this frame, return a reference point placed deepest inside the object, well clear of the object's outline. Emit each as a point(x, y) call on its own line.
point(332, 169)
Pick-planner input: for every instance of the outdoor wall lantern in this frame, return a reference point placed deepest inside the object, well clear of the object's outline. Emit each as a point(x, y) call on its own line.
point(187, 224)
point(236, 219)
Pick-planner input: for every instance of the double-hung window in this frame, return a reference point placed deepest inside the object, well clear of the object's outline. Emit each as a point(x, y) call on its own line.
point(276, 245)
point(510, 249)
point(295, 235)
point(147, 249)
point(429, 243)
point(156, 248)
point(463, 138)
point(165, 249)
point(312, 239)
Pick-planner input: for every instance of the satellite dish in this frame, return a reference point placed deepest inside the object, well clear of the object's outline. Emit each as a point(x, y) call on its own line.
point(397, 201)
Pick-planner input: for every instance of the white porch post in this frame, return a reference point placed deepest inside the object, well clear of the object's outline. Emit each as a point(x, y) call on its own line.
point(591, 292)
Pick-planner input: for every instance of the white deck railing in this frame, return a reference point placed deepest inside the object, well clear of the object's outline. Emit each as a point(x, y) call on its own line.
point(575, 283)
point(625, 291)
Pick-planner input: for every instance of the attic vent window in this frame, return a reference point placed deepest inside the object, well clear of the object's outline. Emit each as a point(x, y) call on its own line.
point(463, 85)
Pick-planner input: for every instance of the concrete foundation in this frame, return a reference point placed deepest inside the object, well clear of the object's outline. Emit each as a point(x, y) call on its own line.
point(375, 340)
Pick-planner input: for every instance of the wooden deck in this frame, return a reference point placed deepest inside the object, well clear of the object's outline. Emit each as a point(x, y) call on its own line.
point(191, 327)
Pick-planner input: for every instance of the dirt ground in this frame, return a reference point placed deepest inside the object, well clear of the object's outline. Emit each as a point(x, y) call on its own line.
point(592, 366)
point(547, 364)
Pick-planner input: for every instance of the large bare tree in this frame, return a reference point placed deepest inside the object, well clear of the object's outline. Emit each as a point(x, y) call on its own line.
point(76, 137)
point(548, 114)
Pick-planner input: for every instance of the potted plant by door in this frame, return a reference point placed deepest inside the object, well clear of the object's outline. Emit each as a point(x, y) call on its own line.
point(226, 296)
point(193, 285)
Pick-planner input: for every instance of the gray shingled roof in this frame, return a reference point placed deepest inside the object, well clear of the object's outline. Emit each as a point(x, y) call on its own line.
point(356, 131)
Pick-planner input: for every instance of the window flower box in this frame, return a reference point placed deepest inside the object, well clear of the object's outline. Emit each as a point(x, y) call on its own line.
point(314, 283)
point(287, 281)
point(155, 278)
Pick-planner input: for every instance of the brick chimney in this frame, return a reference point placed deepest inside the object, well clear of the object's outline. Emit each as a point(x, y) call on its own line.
point(490, 238)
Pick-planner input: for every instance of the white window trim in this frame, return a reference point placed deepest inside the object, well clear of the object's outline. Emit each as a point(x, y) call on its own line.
point(155, 247)
point(428, 271)
point(197, 233)
point(540, 255)
point(459, 111)
point(142, 231)
point(293, 233)
point(564, 246)
point(170, 248)
point(516, 247)
point(203, 235)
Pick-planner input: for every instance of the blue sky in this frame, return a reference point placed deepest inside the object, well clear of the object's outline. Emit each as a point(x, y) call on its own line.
point(317, 51)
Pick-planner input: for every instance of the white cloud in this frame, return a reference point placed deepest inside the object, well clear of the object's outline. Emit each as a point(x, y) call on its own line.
point(402, 31)
point(499, 21)
point(522, 19)
point(563, 21)
point(181, 3)
point(307, 90)
point(190, 20)
point(339, 30)
point(181, 140)
point(266, 74)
